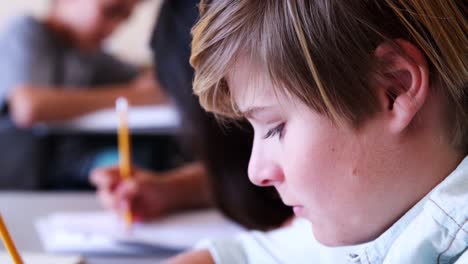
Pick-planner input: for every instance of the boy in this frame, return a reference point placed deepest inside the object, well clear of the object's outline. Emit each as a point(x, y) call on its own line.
point(360, 119)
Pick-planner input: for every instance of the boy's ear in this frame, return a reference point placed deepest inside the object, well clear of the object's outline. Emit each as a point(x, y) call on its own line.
point(403, 88)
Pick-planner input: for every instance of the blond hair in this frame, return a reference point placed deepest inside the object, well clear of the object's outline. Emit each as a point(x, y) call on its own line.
point(321, 51)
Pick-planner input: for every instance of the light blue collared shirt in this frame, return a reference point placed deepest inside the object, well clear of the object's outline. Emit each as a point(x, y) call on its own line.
point(435, 230)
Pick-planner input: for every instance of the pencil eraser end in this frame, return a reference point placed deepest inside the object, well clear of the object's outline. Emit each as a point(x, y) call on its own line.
point(121, 104)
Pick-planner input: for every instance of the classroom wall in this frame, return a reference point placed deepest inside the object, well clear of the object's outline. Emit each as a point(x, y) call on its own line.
point(130, 42)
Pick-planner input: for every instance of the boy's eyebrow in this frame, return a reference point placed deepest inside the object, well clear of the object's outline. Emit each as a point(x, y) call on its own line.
point(254, 111)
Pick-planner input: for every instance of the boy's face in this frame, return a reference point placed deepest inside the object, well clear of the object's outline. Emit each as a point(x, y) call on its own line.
point(329, 174)
point(92, 21)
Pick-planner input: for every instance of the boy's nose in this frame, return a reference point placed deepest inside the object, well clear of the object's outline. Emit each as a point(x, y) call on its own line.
point(264, 172)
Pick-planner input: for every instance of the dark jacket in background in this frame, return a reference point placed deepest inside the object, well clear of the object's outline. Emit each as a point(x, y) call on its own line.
point(225, 151)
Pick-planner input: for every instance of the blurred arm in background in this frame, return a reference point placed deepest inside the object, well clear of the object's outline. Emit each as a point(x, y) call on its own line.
point(31, 104)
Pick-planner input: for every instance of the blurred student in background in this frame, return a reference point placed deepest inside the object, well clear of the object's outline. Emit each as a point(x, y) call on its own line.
point(217, 173)
point(53, 70)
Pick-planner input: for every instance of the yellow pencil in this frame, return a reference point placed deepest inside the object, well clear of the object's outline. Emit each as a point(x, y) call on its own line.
point(124, 147)
point(8, 242)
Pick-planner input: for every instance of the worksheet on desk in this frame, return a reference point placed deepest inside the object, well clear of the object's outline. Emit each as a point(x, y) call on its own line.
point(139, 117)
point(104, 232)
point(36, 258)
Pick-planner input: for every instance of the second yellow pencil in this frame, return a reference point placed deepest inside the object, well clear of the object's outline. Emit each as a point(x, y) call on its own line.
point(8, 242)
point(124, 147)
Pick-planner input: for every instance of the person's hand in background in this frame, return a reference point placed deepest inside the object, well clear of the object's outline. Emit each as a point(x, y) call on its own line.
point(148, 86)
point(149, 195)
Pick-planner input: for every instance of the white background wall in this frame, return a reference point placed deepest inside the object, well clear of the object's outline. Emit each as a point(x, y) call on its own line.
point(130, 42)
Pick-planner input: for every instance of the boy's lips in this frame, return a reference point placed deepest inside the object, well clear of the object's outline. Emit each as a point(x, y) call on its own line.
point(298, 210)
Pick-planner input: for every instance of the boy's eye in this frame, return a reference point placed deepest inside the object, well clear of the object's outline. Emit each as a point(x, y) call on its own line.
point(278, 130)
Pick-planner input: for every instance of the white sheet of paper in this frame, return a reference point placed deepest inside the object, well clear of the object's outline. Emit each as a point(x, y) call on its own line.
point(139, 117)
point(98, 232)
point(37, 258)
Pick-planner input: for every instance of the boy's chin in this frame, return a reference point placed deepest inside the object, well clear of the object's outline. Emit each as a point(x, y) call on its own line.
point(328, 242)
point(333, 238)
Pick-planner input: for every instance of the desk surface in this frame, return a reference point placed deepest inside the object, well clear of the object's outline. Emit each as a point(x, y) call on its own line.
point(20, 210)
